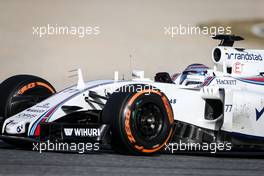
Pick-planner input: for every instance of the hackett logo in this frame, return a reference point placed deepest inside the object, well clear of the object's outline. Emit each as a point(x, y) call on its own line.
point(226, 82)
point(82, 132)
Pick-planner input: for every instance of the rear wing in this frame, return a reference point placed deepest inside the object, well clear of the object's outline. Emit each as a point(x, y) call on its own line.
point(227, 40)
point(236, 61)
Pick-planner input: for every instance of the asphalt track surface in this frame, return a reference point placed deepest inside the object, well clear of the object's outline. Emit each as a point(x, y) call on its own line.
point(27, 162)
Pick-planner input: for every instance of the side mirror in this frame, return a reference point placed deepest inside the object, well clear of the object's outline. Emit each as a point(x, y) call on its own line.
point(163, 77)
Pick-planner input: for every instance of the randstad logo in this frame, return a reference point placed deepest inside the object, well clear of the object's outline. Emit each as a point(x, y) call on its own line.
point(244, 56)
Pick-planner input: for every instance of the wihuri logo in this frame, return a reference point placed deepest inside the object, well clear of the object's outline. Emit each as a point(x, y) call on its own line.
point(68, 131)
point(244, 56)
point(82, 132)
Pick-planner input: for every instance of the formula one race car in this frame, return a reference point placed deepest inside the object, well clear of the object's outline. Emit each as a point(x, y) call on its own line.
point(141, 116)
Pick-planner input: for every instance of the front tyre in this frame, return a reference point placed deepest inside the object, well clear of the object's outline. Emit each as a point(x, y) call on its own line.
point(20, 92)
point(141, 122)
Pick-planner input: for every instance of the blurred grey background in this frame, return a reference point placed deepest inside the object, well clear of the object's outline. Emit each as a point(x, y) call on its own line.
point(129, 30)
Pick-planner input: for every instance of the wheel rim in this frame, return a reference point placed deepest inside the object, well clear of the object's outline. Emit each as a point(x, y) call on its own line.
point(148, 121)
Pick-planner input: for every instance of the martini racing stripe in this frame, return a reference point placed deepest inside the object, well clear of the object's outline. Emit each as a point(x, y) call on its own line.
point(208, 81)
point(254, 80)
point(35, 129)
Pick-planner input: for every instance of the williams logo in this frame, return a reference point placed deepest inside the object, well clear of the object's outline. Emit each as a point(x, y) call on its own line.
point(82, 132)
point(259, 113)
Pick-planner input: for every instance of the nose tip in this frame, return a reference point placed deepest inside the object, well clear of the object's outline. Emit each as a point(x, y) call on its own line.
point(14, 128)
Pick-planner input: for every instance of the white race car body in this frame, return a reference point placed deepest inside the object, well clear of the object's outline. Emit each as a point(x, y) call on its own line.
point(217, 101)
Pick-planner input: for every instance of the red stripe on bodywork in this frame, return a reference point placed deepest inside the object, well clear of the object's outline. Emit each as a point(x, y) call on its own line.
point(259, 79)
point(37, 131)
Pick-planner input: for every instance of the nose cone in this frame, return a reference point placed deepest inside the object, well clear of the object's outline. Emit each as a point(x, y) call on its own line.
point(13, 127)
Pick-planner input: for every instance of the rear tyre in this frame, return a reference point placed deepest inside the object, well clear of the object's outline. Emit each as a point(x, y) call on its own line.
point(141, 122)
